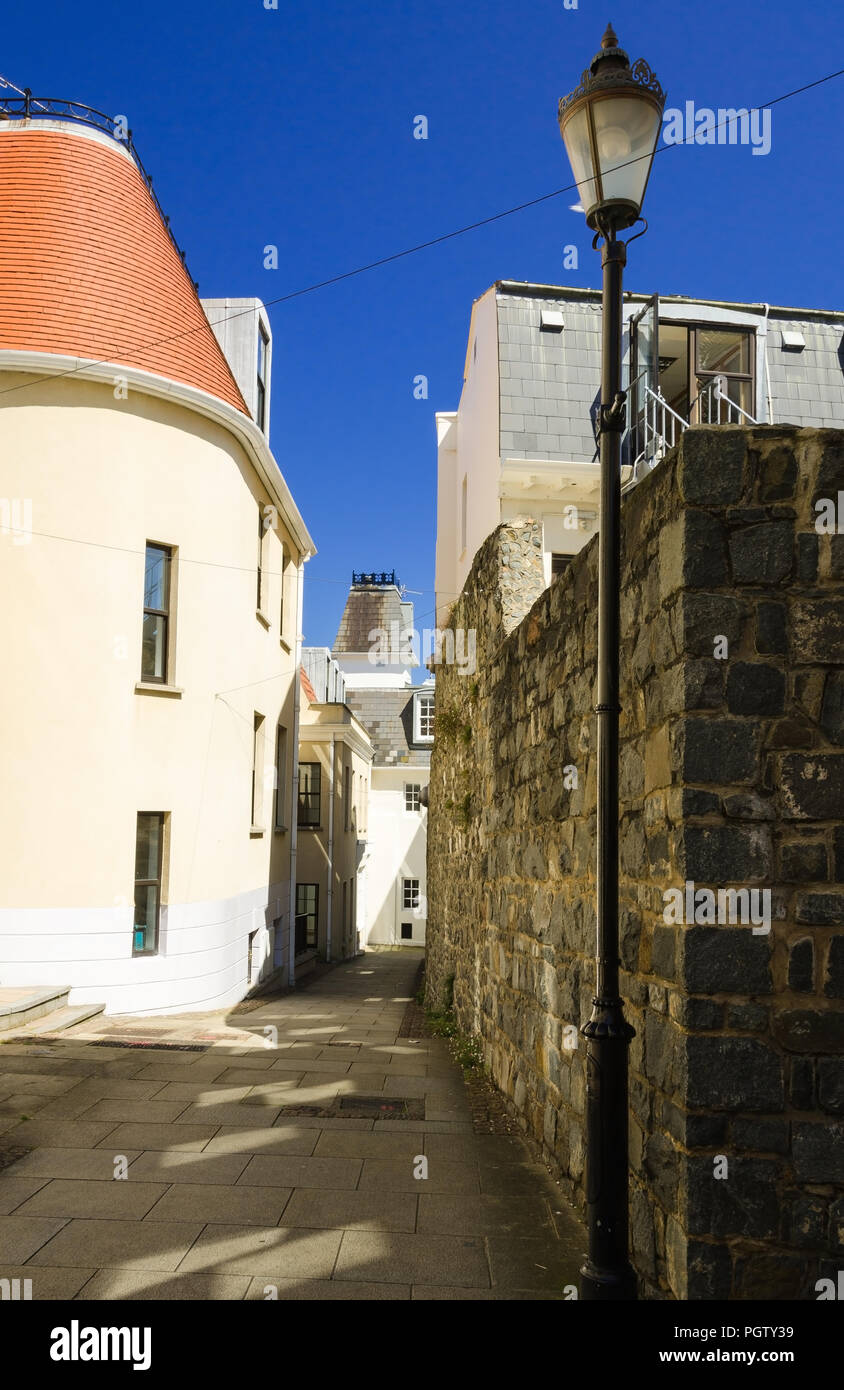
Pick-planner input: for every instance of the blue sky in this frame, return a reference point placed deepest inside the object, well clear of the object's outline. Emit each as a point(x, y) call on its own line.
point(295, 128)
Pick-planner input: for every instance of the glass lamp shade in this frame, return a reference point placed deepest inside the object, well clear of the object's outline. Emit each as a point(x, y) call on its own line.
point(610, 139)
point(610, 126)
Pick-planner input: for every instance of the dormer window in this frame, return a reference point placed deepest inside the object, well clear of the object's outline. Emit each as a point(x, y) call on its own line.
point(423, 717)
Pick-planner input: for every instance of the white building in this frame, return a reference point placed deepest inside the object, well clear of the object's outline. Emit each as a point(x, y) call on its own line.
point(152, 580)
point(335, 757)
point(374, 649)
point(523, 440)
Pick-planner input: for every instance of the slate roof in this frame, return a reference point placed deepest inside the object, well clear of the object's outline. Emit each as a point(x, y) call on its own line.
point(550, 382)
point(387, 716)
point(367, 607)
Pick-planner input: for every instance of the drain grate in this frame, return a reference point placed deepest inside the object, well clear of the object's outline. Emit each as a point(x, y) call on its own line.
point(319, 1112)
point(359, 1108)
point(382, 1107)
point(151, 1046)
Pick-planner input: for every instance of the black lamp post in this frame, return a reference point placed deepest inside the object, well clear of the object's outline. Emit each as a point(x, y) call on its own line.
point(610, 125)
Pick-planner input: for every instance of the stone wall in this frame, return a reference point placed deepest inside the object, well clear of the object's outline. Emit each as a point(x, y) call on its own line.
point(732, 775)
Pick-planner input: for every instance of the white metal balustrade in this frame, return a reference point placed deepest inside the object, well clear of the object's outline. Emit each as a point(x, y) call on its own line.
point(658, 426)
point(716, 407)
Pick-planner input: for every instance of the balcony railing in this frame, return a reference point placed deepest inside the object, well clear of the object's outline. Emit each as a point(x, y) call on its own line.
point(658, 427)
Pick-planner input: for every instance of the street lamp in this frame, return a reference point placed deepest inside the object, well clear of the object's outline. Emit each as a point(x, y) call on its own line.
point(610, 126)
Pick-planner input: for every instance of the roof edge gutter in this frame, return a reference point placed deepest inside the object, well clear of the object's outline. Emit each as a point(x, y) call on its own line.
point(536, 291)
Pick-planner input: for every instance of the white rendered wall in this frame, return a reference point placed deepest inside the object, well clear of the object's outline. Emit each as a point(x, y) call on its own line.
point(475, 455)
point(83, 752)
point(396, 849)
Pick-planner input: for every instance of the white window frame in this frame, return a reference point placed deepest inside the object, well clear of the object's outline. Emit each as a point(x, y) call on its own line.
point(281, 777)
point(418, 736)
point(415, 894)
point(412, 794)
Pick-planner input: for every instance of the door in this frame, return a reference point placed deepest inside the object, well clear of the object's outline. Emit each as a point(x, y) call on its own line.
point(644, 374)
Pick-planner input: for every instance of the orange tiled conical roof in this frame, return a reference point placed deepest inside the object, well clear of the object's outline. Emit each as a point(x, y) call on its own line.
point(87, 267)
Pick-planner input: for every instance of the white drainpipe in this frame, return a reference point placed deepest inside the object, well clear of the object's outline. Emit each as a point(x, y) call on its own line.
point(768, 398)
point(329, 897)
point(294, 808)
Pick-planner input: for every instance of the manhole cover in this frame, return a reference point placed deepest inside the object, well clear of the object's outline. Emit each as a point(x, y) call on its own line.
point(382, 1107)
point(319, 1112)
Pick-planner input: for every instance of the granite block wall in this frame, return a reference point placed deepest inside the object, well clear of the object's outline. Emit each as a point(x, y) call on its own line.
point(732, 778)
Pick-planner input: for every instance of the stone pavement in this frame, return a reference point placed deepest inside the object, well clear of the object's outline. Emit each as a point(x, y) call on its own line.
point(256, 1171)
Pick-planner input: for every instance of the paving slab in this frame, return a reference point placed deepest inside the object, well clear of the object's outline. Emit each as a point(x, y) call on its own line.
point(516, 1179)
point(296, 1139)
point(234, 1204)
point(446, 1294)
point(192, 1168)
point(78, 1197)
point(339, 1173)
point(23, 1107)
point(314, 1066)
point(324, 1290)
point(120, 1110)
point(198, 1071)
point(126, 1285)
point(337, 1143)
point(69, 1163)
point(489, 1149)
point(199, 1092)
point(14, 1191)
point(155, 1245)
point(61, 1134)
point(47, 1285)
point(378, 1256)
point(441, 1214)
point(37, 1083)
point(255, 1116)
point(285, 1253)
point(22, 1236)
point(399, 1175)
point(351, 1211)
point(524, 1263)
point(184, 1138)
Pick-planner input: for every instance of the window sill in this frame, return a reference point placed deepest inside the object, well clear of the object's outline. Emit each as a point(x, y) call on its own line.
point(283, 642)
point(262, 618)
point(158, 688)
point(280, 829)
point(309, 827)
point(256, 831)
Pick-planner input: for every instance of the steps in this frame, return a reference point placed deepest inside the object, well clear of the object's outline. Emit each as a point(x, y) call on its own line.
point(61, 1019)
point(38, 1011)
point(22, 1006)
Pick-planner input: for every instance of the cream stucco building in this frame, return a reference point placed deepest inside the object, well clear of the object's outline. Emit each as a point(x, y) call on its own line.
point(151, 562)
point(335, 758)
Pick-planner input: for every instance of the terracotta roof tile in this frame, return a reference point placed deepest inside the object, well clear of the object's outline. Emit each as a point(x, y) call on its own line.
point(88, 269)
